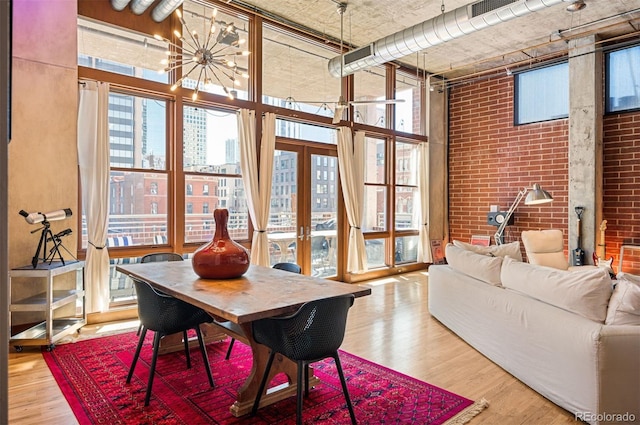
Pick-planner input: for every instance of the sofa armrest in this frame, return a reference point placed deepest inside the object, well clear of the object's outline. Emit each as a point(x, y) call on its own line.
point(619, 370)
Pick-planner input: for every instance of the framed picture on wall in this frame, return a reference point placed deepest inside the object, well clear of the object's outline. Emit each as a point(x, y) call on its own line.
point(437, 253)
point(481, 240)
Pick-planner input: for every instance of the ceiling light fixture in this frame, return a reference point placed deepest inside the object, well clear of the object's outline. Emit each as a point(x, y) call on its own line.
point(212, 59)
point(576, 6)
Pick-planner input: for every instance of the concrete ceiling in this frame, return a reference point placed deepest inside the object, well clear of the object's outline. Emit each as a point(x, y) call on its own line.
point(517, 42)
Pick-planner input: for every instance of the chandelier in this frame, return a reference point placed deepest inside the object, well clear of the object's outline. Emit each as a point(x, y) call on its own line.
point(212, 58)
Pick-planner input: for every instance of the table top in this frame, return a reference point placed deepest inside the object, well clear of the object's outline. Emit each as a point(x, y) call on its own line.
point(261, 292)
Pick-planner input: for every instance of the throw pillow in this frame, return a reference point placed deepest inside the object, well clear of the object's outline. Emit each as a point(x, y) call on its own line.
point(624, 306)
point(584, 292)
point(510, 249)
point(481, 267)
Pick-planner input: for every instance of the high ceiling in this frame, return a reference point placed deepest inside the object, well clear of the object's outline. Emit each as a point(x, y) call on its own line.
point(516, 42)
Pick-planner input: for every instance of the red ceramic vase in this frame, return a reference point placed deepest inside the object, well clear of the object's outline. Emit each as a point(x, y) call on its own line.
point(222, 258)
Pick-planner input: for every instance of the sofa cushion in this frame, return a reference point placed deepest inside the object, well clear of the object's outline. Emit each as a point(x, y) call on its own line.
point(482, 267)
point(624, 306)
point(585, 292)
point(510, 249)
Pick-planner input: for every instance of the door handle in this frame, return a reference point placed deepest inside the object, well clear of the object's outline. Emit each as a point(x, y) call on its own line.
point(301, 235)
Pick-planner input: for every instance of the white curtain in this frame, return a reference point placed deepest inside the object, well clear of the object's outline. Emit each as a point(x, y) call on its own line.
point(424, 245)
point(93, 161)
point(351, 167)
point(257, 180)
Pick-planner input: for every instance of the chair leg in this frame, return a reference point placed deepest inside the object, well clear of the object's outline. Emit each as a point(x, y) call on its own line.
point(301, 368)
point(139, 329)
point(152, 371)
point(263, 383)
point(344, 389)
point(306, 380)
point(185, 338)
point(136, 355)
point(229, 349)
point(205, 358)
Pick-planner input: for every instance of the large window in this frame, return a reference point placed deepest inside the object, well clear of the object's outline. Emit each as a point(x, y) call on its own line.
point(211, 157)
point(407, 201)
point(295, 73)
point(623, 79)
point(138, 201)
point(542, 94)
point(370, 85)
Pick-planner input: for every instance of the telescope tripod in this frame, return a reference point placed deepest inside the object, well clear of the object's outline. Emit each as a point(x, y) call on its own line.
point(46, 236)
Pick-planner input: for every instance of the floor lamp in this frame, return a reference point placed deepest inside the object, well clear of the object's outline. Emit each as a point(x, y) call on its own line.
point(536, 195)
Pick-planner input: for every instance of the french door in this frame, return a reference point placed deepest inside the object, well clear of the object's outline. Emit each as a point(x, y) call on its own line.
point(303, 225)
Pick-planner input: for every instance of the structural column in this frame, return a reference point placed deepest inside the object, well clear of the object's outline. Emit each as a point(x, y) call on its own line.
point(585, 141)
point(438, 133)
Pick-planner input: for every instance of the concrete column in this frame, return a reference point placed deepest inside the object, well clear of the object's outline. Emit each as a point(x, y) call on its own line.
point(438, 133)
point(585, 141)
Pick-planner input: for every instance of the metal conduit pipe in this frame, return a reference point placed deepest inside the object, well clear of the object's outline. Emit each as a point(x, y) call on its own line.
point(443, 28)
point(119, 5)
point(139, 6)
point(164, 9)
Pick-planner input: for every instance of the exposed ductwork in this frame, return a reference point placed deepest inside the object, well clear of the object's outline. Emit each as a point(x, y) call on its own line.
point(119, 5)
point(139, 6)
point(445, 27)
point(163, 9)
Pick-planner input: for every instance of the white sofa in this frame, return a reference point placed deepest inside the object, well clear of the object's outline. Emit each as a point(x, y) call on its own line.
point(583, 365)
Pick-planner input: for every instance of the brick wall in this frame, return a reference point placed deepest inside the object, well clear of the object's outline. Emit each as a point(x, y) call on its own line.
point(490, 159)
point(622, 187)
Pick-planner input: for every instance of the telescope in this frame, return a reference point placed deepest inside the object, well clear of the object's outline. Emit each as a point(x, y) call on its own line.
point(47, 235)
point(38, 217)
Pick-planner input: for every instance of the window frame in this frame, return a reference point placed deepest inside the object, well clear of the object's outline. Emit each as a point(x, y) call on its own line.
point(517, 92)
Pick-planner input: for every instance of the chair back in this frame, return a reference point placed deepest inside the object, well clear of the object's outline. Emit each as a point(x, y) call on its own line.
point(314, 332)
point(163, 313)
point(157, 257)
point(545, 248)
point(288, 267)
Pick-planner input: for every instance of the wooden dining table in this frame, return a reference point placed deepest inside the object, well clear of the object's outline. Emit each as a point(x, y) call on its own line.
point(260, 293)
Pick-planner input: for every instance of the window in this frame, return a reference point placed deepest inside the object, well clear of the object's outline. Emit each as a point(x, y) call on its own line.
point(623, 79)
point(542, 94)
point(101, 47)
point(370, 84)
point(375, 189)
point(295, 73)
point(212, 161)
point(408, 112)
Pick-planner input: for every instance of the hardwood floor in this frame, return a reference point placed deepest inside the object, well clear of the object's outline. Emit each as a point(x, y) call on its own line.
point(391, 327)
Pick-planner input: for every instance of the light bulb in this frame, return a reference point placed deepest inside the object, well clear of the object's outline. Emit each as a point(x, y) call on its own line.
point(174, 87)
point(194, 96)
point(231, 64)
point(237, 82)
point(246, 53)
point(245, 75)
point(158, 37)
point(242, 41)
point(178, 13)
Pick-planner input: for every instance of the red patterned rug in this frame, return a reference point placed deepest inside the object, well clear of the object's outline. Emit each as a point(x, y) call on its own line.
point(92, 373)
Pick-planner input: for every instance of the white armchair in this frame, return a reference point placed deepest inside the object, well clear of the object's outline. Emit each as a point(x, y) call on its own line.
point(546, 248)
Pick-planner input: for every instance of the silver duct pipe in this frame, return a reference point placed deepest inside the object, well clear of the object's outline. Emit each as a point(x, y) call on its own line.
point(164, 9)
point(445, 27)
point(119, 5)
point(139, 6)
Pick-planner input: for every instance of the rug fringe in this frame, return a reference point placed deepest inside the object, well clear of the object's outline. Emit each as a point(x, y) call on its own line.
point(469, 413)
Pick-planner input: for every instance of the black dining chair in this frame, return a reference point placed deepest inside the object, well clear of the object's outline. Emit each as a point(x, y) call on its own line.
point(313, 333)
point(157, 257)
point(289, 267)
point(166, 315)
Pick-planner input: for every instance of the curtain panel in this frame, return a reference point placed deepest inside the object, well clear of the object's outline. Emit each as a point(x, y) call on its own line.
point(424, 244)
point(351, 167)
point(257, 174)
point(93, 162)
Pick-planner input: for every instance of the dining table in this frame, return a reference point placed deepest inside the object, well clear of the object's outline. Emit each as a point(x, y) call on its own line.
point(262, 292)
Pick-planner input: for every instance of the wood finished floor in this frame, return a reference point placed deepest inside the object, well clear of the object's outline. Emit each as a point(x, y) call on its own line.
point(391, 327)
